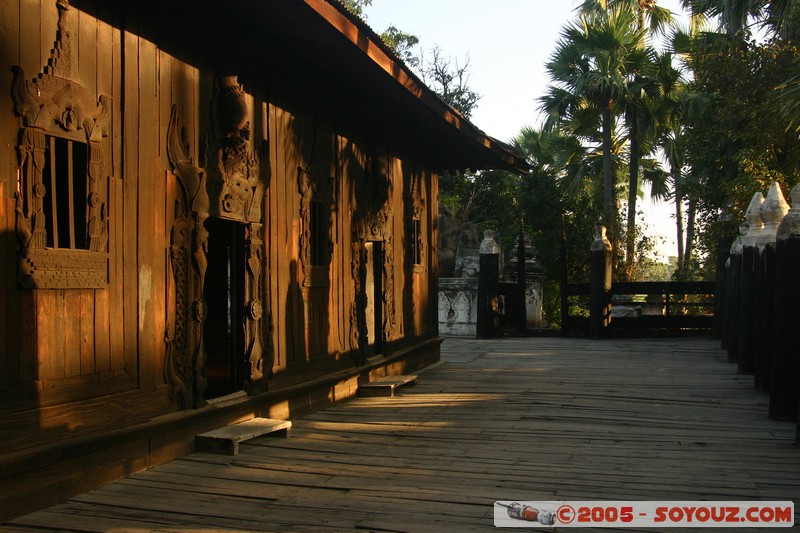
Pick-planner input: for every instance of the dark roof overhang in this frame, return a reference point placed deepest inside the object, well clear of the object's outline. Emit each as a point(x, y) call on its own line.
point(315, 53)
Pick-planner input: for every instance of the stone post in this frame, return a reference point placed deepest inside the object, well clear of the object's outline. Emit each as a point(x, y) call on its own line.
point(488, 287)
point(784, 394)
point(599, 284)
point(747, 292)
point(772, 212)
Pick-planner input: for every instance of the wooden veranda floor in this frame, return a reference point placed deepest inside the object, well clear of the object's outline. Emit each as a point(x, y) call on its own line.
point(522, 419)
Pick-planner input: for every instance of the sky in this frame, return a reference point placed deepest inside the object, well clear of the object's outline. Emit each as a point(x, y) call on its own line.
point(508, 43)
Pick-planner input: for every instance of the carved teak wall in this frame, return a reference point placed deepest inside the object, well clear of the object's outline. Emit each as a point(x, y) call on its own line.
point(126, 157)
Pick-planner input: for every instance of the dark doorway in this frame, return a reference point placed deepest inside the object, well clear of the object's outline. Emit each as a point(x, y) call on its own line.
point(374, 292)
point(224, 291)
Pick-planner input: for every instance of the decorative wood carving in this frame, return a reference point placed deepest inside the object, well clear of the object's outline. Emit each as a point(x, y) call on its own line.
point(185, 366)
point(254, 249)
point(313, 188)
point(31, 190)
point(231, 187)
point(358, 325)
point(372, 221)
point(52, 104)
point(235, 181)
point(417, 210)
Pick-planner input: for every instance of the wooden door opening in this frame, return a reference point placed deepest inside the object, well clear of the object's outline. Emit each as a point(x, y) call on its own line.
point(373, 286)
point(224, 291)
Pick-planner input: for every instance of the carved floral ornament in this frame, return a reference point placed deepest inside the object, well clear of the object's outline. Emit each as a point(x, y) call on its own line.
point(53, 106)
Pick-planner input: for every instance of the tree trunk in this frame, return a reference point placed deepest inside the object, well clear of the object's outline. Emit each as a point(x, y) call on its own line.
point(679, 226)
point(633, 189)
point(608, 172)
point(678, 217)
point(690, 219)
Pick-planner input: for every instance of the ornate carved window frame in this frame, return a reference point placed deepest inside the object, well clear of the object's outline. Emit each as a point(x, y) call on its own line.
point(315, 257)
point(54, 106)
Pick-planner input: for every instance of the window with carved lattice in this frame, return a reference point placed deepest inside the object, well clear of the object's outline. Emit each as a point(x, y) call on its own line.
point(315, 238)
point(61, 212)
point(65, 207)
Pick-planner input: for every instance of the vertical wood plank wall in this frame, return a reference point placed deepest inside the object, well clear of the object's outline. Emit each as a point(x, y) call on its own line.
point(70, 344)
point(9, 299)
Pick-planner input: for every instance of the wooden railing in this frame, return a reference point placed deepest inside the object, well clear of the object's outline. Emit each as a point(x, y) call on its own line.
point(664, 305)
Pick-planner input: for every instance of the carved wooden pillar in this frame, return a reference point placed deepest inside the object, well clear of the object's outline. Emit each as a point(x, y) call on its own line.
point(784, 394)
point(772, 212)
point(747, 295)
point(184, 368)
point(97, 215)
point(599, 284)
point(254, 292)
point(389, 318)
point(30, 215)
point(358, 327)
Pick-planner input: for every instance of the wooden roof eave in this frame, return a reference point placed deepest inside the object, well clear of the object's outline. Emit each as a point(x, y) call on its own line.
point(354, 30)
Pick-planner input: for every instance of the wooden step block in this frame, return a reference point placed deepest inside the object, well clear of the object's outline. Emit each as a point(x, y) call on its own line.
point(385, 386)
point(226, 440)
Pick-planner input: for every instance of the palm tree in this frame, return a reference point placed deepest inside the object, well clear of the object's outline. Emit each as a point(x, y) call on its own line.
point(593, 68)
point(734, 16)
point(653, 20)
point(674, 106)
point(650, 16)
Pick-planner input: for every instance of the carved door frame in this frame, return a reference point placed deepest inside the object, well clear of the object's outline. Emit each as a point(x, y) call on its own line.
point(229, 187)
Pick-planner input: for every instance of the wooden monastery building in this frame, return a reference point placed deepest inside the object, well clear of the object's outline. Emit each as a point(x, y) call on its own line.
point(209, 211)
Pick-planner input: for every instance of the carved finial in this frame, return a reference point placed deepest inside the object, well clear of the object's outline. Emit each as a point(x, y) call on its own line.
point(772, 212)
point(60, 62)
point(754, 222)
point(601, 242)
point(489, 245)
point(790, 225)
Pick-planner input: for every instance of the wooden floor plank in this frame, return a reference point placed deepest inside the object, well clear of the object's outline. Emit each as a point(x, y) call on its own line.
point(510, 419)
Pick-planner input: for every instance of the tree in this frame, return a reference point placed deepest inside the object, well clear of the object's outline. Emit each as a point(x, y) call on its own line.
point(449, 79)
point(593, 69)
point(642, 89)
point(402, 44)
point(557, 205)
point(740, 144)
point(676, 105)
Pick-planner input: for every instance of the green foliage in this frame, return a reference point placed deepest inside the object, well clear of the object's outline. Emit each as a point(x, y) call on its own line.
point(402, 44)
point(357, 6)
point(740, 144)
